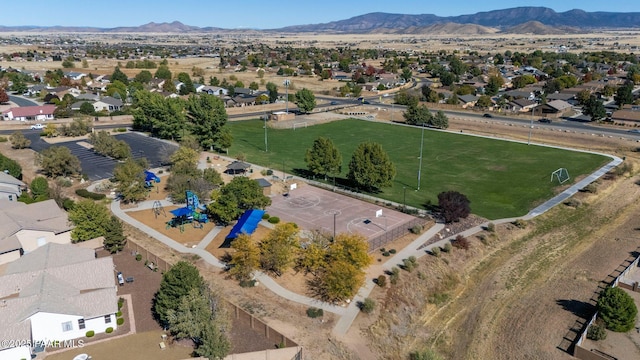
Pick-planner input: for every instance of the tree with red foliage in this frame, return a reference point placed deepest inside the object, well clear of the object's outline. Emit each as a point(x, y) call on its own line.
point(454, 206)
point(4, 98)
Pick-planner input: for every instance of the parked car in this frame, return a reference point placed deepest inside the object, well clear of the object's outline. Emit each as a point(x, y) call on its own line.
point(334, 103)
point(634, 131)
point(487, 115)
point(37, 127)
point(545, 121)
point(120, 278)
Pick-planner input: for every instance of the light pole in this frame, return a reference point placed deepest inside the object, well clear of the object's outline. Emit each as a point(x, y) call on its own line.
point(286, 89)
point(420, 166)
point(533, 114)
point(266, 146)
point(404, 199)
point(335, 213)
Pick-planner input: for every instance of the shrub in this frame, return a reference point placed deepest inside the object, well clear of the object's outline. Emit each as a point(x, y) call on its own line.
point(416, 229)
point(382, 281)
point(438, 298)
point(461, 242)
point(574, 203)
point(392, 251)
point(386, 253)
point(425, 355)
point(313, 312)
point(89, 195)
point(520, 224)
point(119, 314)
point(247, 283)
point(64, 182)
point(68, 204)
point(447, 247)
point(109, 330)
point(395, 275)
point(120, 303)
point(90, 333)
point(491, 227)
point(138, 257)
point(591, 188)
point(121, 130)
point(3, 139)
point(435, 251)
point(120, 321)
point(367, 305)
point(274, 220)
point(266, 216)
point(596, 332)
point(269, 172)
point(617, 309)
point(409, 264)
point(483, 239)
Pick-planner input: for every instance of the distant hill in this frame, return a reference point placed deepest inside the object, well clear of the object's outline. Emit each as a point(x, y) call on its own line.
point(440, 29)
point(531, 20)
point(497, 18)
point(538, 28)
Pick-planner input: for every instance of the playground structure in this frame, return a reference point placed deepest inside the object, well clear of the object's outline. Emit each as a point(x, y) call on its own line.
point(189, 214)
point(150, 178)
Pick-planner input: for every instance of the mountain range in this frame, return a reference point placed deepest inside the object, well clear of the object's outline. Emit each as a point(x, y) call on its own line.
point(535, 20)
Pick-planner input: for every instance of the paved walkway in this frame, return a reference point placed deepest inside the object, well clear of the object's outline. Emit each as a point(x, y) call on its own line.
point(416, 248)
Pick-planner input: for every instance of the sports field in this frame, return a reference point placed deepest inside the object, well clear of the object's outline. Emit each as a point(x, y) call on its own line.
point(501, 178)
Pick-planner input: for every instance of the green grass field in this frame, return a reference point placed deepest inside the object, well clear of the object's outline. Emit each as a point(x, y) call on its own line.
point(501, 178)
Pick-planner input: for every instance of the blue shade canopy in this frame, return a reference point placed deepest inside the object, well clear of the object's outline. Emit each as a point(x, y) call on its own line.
point(183, 211)
point(247, 223)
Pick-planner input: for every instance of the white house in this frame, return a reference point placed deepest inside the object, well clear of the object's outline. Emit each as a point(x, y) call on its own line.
point(10, 187)
point(107, 103)
point(58, 292)
point(25, 228)
point(42, 112)
point(214, 90)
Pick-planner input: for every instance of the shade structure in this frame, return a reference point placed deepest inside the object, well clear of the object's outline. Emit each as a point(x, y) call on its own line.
point(247, 223)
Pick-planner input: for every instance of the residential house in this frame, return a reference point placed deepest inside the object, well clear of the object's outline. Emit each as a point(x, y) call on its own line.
point(214, 90)
point(340, 76)
point(468, 101)
point(108, 104)
point(521, 94)
point(555, 108)
point(522, 105)
point(629, 115)
point(24, 228)
point(10, 187)
point(56, 293)
point(34, 90)
point(42, 112)
point(74, 75)
point(88, 97)
point(243, 91)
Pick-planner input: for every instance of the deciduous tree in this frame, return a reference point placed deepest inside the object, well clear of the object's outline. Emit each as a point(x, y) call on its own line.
point(19, 141)
point(90, 219)
point(305, 100)
point(272, 89)
point(208, 117)
point(58, 161)
point(417, 115)
point(323, 157)
point(245, 259)
point(130, 178)
point(595, 108)
point(370, 167)
point(4, 98)
point(175, 284)
point(453, 205)
point(279, 249)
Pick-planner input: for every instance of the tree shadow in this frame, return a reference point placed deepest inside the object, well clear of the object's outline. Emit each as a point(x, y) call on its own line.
point(578, 308)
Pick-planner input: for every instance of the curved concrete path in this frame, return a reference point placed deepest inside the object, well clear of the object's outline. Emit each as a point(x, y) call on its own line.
point(416, 248)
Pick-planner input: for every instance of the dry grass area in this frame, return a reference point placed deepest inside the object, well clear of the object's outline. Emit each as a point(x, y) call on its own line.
point(142, 346)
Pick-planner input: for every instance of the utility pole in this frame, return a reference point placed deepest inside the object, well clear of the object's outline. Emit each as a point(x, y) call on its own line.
point(266, 146)
point(420, 167)
point(286, 89)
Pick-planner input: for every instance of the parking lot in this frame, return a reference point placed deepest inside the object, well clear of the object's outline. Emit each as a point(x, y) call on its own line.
point(98, 167)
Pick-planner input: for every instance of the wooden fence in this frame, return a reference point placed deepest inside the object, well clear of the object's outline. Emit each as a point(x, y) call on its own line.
point(148, 256)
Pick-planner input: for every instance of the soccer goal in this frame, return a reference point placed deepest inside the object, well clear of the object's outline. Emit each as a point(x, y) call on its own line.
point(300, 125)
point(562, 175)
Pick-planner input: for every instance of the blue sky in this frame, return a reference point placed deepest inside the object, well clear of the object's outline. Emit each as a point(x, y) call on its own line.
point(258, 14)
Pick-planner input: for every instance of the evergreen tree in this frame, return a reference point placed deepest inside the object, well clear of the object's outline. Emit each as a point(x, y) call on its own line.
point(114, 238)
point(176, 283)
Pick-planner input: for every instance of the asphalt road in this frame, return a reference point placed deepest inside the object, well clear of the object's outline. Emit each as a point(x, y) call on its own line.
point(21, 101)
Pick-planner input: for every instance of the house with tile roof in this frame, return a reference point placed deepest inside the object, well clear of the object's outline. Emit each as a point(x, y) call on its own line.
point(22, 113)
point(57, 292)
point(25, 228)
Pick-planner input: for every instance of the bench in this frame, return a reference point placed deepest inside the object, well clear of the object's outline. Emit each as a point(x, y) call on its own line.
point(162, 345)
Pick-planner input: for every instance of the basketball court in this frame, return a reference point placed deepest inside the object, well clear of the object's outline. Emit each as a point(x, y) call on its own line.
point(313, 208)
